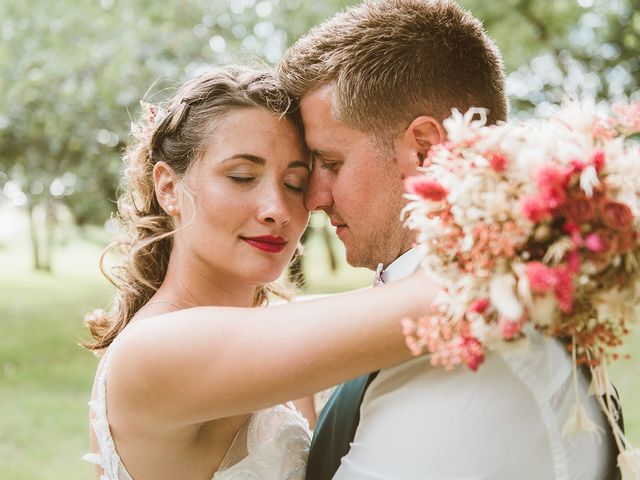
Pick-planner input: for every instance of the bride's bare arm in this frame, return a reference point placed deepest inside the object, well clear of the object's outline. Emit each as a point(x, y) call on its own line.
point(211, 362)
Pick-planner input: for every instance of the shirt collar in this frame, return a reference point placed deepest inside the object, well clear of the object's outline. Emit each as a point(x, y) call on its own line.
point(402, 267)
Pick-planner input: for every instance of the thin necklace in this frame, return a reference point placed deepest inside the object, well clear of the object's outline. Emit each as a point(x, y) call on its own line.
point(164, 301)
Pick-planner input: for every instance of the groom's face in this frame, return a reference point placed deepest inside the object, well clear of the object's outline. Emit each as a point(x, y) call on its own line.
point(356, 183)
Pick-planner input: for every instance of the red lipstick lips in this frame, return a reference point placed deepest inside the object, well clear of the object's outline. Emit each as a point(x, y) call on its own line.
point(268, 243)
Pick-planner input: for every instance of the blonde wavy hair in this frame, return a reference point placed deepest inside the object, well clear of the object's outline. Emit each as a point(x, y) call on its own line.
point(175, 133)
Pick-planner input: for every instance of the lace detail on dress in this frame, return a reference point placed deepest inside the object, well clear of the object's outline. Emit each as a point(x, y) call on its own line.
point(108, 458)
point(277, 443)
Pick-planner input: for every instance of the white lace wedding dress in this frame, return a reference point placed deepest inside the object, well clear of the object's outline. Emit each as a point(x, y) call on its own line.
point(272, 445)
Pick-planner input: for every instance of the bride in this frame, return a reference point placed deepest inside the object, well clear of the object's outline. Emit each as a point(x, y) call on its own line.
point(194, 383)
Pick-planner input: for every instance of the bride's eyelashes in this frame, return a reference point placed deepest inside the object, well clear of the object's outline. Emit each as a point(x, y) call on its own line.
point(241, 179)
point(297, 189)
point(244, 180)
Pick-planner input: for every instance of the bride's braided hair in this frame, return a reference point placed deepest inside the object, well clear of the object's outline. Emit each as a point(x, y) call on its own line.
point(175, 134)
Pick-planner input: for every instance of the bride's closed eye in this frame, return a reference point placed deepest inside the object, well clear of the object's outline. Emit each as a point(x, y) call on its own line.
point(297, 183)
point(241, 178)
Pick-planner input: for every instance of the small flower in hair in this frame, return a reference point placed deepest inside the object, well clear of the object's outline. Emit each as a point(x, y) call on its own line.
point(151, 115)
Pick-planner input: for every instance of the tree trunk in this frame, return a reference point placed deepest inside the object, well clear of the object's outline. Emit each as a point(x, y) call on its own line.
point(33, 231)
point(47, 234)
point(41, 236)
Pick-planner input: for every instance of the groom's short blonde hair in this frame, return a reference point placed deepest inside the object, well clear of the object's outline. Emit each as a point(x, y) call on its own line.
point(393, 60)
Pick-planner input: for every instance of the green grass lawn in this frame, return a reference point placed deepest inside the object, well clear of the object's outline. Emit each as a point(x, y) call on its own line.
point(45, 378)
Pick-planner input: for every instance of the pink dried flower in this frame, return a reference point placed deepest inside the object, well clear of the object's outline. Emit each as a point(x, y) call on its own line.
point(594, 243)
point(425, 188)
point(603, 129)
point(509, 328)
point(609, 240)
point(573, 229)
point(628, 116)
point(409, 330)
point(541, 278)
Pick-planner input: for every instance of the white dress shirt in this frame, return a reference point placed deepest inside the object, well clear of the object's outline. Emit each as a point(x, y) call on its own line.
point(502, 422)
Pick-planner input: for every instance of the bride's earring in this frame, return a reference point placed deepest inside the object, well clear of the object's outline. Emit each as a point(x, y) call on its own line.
point(171, 209)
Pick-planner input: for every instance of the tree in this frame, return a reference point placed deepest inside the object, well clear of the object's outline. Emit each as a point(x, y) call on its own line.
point(551, 49)
point(83, 65)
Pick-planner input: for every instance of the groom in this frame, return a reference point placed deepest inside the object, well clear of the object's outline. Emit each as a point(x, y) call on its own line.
point(375, 84)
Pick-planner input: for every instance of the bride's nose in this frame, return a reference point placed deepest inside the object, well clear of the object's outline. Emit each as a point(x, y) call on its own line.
point(273, 207)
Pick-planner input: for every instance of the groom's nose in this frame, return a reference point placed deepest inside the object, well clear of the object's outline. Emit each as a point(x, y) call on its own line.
point(318, 195)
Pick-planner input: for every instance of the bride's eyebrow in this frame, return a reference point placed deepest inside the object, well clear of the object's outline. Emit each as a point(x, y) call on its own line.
point(298, 164)
point(246, 156)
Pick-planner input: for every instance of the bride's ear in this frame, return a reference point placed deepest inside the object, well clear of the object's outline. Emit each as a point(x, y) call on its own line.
point(415, 142)
point(165, 181)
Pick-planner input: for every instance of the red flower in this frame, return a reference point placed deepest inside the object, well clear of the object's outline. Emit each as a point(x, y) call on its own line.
point(576, 166)
point(498, 162)
point(564, 288)
point(425, 188)
point(541, 278)
point(553, 197)
point(627, 241)
point(552, 182)
point(616, 215)
point(573, 261)
point(479, 305)
point(579, 209)
point(598, 160)
point(471, 352)
point(534, 209)
point(550, 176)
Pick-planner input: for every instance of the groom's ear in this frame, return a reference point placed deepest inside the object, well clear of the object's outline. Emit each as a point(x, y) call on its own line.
point(415, 142)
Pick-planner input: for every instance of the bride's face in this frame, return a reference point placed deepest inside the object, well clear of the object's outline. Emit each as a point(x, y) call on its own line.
point(248, 188)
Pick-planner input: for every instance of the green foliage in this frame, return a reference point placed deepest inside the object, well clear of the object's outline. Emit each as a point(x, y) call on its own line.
point(84, 65)
point(72, 73)
point(551, 49)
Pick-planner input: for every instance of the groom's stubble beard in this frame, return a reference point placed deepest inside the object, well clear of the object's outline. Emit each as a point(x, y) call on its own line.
point(388, 238)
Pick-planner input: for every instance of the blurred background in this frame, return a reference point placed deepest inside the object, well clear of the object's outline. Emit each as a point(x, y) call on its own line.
point(71, 75)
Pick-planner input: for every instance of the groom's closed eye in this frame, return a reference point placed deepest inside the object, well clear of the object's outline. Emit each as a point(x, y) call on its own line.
point(329, 165)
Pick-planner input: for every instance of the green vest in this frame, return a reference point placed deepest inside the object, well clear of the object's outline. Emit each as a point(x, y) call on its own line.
point(336, 428)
